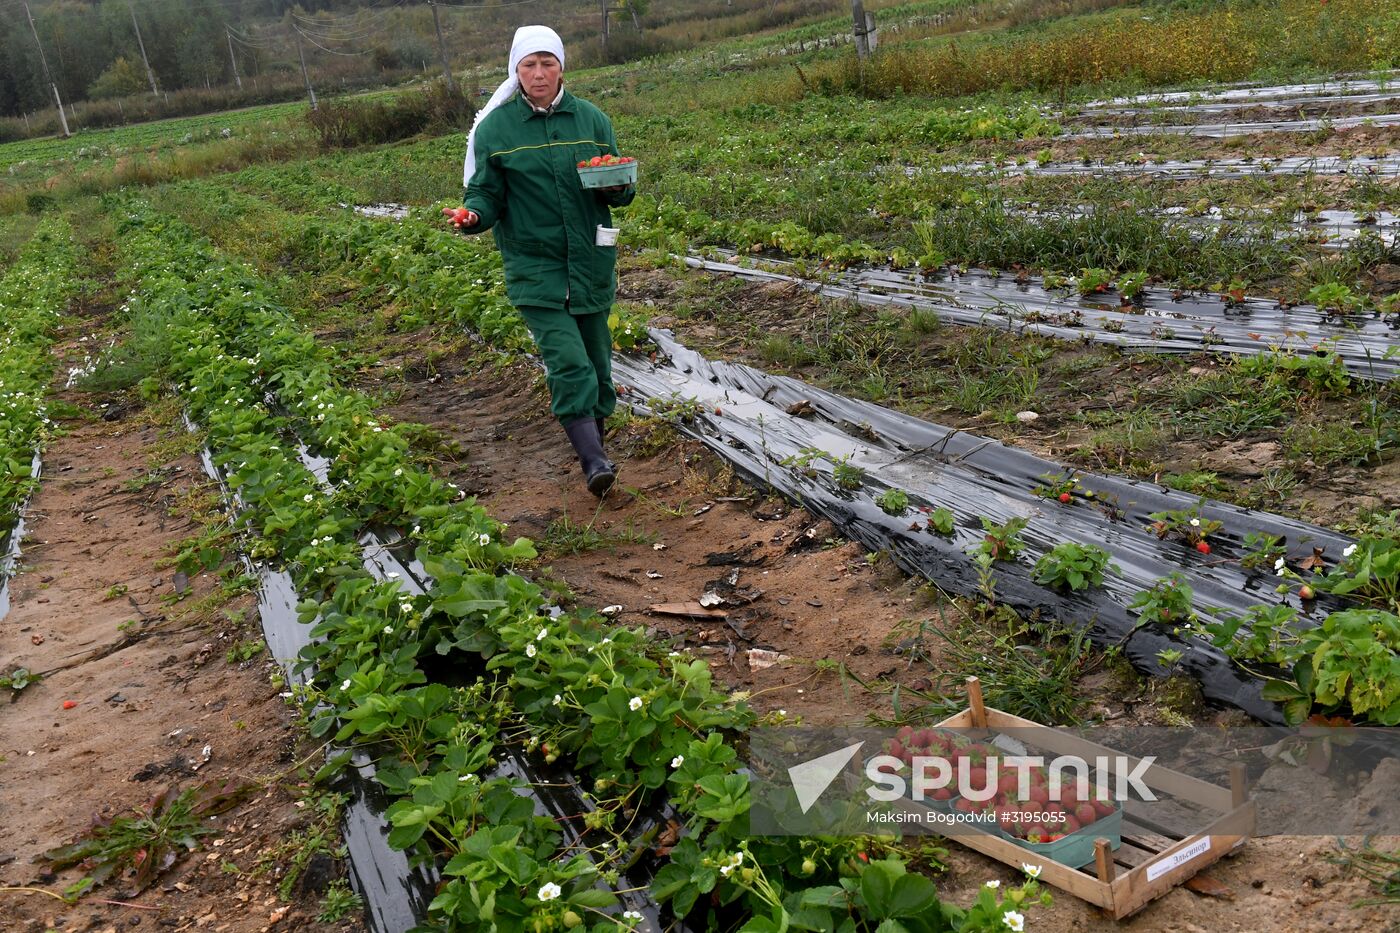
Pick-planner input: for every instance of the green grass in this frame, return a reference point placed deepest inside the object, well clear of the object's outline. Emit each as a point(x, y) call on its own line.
point(565, 537)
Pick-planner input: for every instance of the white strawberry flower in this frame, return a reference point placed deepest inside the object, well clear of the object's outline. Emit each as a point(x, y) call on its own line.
point(1014, 921)
point(634, 704)
point(530, 650)
point(994, 883)
point(677, 761)
point(1350, 550)
point(549, 891)
point(1032, 871)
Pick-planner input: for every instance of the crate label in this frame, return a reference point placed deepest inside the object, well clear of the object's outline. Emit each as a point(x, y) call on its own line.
point(1159, 868)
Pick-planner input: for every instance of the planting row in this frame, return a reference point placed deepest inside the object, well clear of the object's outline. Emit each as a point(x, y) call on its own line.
point(1324, 342)
point(34, 294)
point(636, 724)
point(1380, 166)
point(1252, 95)
point(1226, 130)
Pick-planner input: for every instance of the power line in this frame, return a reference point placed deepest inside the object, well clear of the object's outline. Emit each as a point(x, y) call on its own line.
point(332, 51)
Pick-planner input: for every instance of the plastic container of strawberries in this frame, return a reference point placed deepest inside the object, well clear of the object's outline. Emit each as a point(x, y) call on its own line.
point(608, 176)
point(1077, 848)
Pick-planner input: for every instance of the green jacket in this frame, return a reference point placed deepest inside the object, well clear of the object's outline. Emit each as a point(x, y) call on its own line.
point(526, 188)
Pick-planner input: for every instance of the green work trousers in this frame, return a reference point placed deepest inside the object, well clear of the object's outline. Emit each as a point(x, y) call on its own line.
point(577, 354)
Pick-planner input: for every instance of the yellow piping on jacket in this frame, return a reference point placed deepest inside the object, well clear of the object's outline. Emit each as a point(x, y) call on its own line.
point(571, 142)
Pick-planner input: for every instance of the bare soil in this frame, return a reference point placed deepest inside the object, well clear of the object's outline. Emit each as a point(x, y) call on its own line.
point(814, 605)
point(137, 654)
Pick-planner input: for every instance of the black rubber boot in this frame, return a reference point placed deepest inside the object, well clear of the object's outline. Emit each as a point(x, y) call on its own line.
point(588, 444)
point(603, 440)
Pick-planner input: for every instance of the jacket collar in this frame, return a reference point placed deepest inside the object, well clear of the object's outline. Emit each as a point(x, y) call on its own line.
point(527, 110)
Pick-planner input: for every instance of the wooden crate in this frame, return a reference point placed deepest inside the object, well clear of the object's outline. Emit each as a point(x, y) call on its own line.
point(1152, 859)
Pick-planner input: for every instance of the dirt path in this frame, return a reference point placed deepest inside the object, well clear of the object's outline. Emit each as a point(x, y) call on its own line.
point(680, 526)
point(139, 695)
point(821, 606)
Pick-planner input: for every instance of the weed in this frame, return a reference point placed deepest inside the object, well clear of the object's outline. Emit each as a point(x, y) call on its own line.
point(785, 351)
point(1033, 678)
point(290, 857)
point(1382, 869)
point(244, 651)
point(116, 591)
point(339, 902)
point(1196, 482)
point(564, 536)
point(150, 840)
point(19, 678)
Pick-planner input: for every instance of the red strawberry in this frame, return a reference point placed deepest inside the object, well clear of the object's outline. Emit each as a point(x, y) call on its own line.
point(1086, 814)
point(1066, 497)
point(1203, 547)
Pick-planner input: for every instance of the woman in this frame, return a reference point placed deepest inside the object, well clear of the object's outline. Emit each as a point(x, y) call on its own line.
point(522, 181)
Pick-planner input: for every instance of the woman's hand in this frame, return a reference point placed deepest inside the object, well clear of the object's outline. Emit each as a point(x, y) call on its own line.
point(471, 220)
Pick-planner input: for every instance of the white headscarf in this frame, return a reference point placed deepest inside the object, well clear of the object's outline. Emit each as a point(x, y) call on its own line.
point(528, 41)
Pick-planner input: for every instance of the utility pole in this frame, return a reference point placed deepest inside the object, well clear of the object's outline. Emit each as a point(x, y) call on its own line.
point(43, 59)
point(231, 59)
point(310, 92)
point(442, 49)
point(150, 75)
point(603, 5)
point(858, 16)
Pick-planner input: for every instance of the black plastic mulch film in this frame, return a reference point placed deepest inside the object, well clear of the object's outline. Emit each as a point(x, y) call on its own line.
point(1161, 323)
point(1385, 166)
point(397, 894)
point(11, 541)
point(742, 415)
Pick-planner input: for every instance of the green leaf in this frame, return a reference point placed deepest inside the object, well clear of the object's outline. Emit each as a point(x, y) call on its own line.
point(912, 895)
point(593, 897)
point(876, 886)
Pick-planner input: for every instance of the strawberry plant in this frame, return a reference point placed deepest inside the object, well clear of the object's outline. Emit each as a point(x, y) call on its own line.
point(1264, 634)
point(1093, 281)
point(1333, 298)
point(1074, 566)
point(33, 294)
point(893, 502)
point(1059, 487)
point(1133, 286)
point(1369, 570)
point(1262, 551)
point(847, 476)
point(1186, 525)
point(1001, 541)
point(1167, 602)
point(941, 521)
